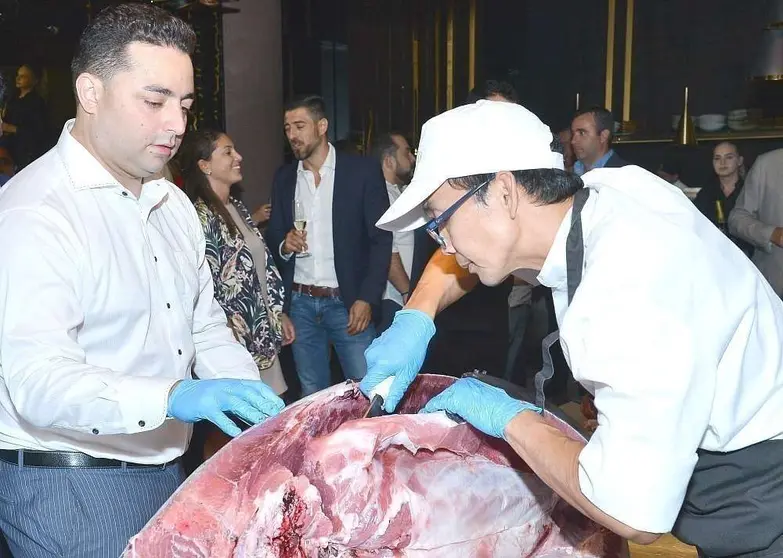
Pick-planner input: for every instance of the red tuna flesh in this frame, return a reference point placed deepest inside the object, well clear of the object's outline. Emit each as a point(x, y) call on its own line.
point(318, 481)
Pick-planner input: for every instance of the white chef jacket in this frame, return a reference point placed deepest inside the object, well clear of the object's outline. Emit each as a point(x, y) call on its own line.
point(675, 332)
point(403, 245)
point(107, 302)
point(318, 268)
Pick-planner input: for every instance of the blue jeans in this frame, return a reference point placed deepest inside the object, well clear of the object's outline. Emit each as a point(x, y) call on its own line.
point(319, 321)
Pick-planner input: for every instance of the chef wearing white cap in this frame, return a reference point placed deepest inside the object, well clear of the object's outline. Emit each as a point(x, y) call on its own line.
point(662, 319)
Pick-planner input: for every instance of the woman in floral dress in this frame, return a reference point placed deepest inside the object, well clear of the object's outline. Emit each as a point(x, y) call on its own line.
point(247, 283)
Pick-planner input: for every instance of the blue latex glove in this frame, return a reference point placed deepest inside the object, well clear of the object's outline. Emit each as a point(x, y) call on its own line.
point(250, 400)
point(485, 407)
point(398, 352)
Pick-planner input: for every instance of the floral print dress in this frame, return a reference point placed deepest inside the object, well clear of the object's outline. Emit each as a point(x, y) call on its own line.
point(254, 318)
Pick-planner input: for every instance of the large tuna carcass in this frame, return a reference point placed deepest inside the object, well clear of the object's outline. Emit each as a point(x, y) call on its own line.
point(319, 480)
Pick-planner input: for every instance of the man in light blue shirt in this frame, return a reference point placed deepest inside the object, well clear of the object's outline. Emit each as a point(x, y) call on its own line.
point(591, 137)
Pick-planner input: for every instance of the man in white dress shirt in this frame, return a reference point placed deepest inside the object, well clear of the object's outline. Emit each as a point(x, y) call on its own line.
point(108, 306)
point(687, 374)
point(397, 162)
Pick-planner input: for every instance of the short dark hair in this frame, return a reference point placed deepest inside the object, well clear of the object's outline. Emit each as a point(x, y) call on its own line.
point(493, 87)
point(544, 186)
point(604, 119)
point(2, 87)
point(314, 104)
point(383, 146)
point(104, 43)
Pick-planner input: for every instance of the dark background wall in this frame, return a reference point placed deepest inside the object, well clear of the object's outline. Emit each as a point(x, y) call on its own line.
point(549, 50)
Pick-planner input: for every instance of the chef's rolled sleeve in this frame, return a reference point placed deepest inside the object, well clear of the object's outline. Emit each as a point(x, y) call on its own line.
point(652, 387)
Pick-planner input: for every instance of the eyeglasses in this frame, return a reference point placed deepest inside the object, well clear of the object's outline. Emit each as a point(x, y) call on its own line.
point(434, 225)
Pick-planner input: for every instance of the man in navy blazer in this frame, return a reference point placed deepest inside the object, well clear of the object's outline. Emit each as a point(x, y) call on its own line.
point(592, 131)
point(335, 270)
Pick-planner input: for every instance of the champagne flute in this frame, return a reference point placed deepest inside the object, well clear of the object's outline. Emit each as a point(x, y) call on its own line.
point(300, 223)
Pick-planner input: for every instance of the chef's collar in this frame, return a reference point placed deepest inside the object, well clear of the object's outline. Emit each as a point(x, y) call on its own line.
point(553, 272)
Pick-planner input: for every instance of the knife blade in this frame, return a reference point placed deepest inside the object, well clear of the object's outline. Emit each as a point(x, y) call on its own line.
point(378, 397)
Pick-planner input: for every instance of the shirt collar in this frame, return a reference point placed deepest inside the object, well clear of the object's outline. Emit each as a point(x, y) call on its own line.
point(329, 163)
point(580, 169)
point(85, 172)
point(553, 272)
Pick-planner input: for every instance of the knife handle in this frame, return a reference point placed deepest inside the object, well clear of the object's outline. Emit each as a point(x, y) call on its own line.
point(376, 407)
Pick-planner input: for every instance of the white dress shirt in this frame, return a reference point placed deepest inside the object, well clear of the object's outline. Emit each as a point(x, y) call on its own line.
point(677, 335)
point(318, 268)
point(402, 244)
point(107, 302)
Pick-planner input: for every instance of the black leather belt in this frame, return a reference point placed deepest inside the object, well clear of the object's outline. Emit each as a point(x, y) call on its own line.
point(68, 459)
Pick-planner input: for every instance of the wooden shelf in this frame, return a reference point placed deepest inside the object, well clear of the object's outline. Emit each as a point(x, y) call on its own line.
point(759, 134)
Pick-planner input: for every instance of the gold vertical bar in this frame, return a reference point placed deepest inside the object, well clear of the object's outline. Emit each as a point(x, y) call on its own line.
point(415, 105)
point(450, 58)
point(472, 46)
point(628, 61)
point(610, 55)
point(437, 61)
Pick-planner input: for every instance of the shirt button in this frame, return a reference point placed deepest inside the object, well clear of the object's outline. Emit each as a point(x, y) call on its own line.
point(168, 305)
point(125, 194)
point(155, 258)
point(142, 423)
point(179, 351)
point(95, 431)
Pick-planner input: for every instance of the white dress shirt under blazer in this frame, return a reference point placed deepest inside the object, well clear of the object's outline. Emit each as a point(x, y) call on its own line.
point(318, 268)
point(107, 302)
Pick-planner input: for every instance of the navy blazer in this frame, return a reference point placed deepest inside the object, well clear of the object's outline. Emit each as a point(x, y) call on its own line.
point(615, 161)
point(362, 251)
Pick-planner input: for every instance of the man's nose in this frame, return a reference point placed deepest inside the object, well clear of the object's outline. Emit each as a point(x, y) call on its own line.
point(177, 120)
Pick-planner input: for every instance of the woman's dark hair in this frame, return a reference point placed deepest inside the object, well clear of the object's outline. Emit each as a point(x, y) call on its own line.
point(197, 146)
point(103, 46)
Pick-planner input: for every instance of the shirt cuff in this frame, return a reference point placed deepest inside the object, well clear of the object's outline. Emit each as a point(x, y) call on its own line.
point(285, 257)
point(766, 233)
point(144, 402)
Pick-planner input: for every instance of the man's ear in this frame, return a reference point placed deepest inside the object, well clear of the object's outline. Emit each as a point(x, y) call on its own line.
point(605, 137)
point(89, 91)
point(509, 192)
point(388, 164)
point(323, 126)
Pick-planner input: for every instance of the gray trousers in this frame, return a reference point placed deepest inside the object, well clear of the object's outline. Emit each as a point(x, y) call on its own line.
point(79, 513)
